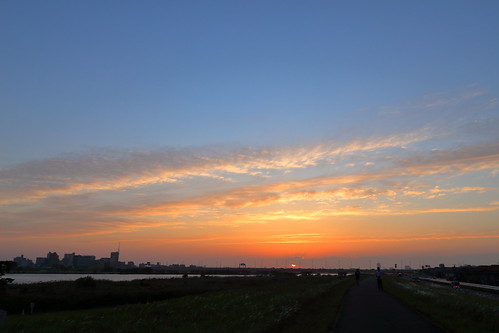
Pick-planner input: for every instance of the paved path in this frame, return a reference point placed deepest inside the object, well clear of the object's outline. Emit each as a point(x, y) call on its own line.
point(366, 309)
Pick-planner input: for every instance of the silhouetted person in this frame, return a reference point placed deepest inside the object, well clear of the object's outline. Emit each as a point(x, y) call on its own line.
point(379, 279)
point(357, 276)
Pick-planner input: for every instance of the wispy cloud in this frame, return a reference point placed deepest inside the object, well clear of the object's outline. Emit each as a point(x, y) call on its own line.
point(417, 238)
point(116, 170)
point(295, 238)
point(410, 172)
point(389, 182)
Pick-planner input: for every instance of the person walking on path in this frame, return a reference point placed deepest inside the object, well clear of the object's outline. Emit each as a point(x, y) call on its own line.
point(357, 276)
point(379, 279)
point(365, 309)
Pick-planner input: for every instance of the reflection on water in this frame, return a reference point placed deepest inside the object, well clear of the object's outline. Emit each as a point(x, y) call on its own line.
point(33, 278)
point(23, 278)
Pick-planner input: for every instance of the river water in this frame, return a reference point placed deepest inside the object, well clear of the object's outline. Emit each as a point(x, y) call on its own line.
point(33, 278)
point(23, 278)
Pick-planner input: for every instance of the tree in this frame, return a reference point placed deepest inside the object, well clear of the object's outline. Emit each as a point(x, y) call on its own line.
point(5, 267)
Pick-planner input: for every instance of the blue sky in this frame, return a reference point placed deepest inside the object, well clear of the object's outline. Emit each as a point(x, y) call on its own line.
point(92, 87)
point(192, 73)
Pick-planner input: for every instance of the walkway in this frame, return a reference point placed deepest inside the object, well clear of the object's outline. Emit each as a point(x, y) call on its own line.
point(366, 309)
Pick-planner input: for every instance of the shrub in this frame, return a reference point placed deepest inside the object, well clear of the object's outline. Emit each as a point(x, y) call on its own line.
point(86, 282)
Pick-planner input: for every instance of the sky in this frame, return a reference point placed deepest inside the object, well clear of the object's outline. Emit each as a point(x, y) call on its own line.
point(318, 133)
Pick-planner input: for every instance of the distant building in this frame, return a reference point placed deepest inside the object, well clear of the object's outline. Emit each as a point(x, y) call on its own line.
point(114, 259)
point(23, 262)
point(52, 259)
point(103, 263)
point(72, 260)
point(68, 260)
point(41, 261)
point(146, 265)
point(84, 261)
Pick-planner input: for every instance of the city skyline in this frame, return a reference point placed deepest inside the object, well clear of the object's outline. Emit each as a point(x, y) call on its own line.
point(91, 261)
point(266, 133)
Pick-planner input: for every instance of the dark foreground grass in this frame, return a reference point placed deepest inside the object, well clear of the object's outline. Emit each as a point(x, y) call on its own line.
point(306, 304)
point(86, 293)
point(456, 310)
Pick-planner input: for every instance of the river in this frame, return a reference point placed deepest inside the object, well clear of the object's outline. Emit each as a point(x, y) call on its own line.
point(33, 278)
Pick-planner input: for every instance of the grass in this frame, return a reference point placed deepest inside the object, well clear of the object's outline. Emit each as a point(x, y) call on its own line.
point(319, 313)
point(87, 293)
point(282, 305)
point(454, 309)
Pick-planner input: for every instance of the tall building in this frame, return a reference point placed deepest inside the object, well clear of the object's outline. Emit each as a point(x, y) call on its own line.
point(68, 260)
point(114, 259)
point(52, 259)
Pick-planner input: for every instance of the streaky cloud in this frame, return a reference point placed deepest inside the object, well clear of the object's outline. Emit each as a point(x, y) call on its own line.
point(115, 170)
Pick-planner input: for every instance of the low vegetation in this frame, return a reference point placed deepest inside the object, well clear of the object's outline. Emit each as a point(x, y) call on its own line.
point(87, 292)
point(455, 309)
point(286, 304)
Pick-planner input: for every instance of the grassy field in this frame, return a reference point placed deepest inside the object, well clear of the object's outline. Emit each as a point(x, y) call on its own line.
point(87, 293)
point(454, 309)
point(291, 304)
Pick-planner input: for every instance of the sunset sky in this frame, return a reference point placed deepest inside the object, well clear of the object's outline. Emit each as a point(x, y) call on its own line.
point(315, 133)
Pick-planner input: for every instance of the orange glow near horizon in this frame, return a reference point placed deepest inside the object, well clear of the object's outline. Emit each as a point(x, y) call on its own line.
point(270, 205)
